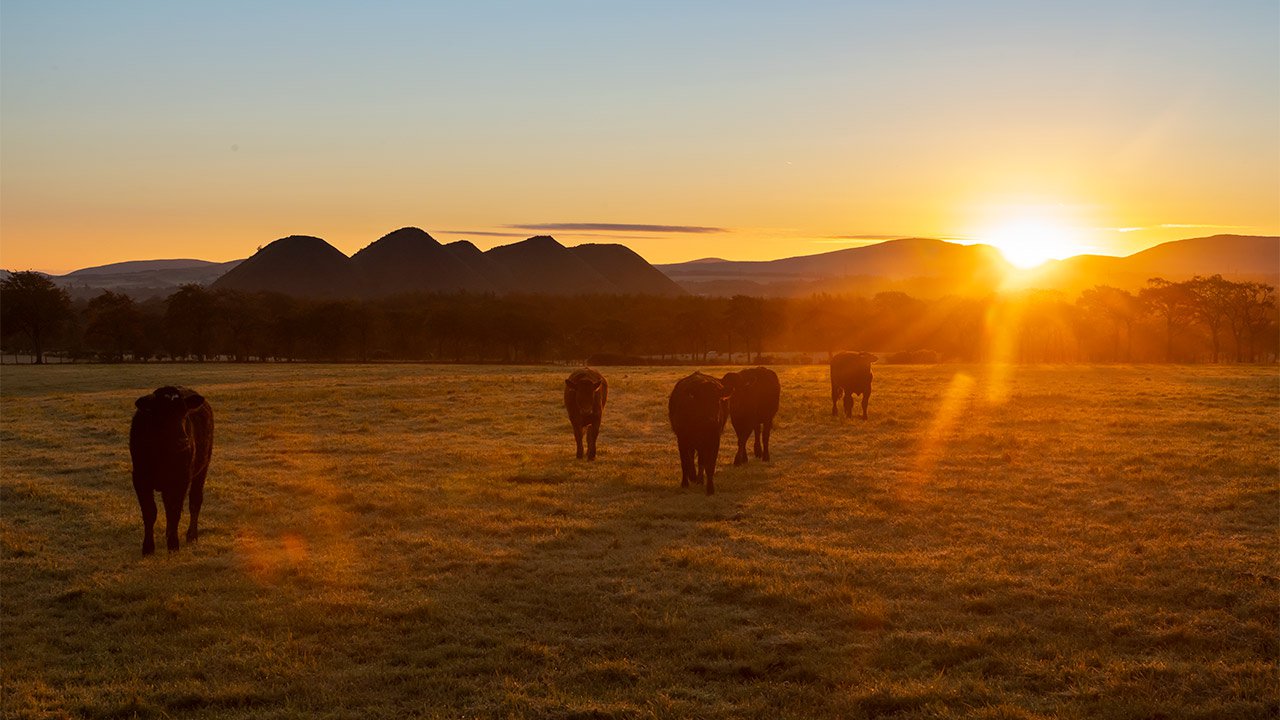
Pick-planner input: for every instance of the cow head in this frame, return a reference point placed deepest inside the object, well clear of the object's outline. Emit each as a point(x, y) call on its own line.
point(737, 382)
point(731, 383)
point(867, 357)
point(711, 396)
point(167, 411)
point(585, 390)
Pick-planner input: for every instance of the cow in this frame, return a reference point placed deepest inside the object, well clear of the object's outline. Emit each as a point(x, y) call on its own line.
point(697, 408)
point(585, 393)
point(170, 443)
point(755, 401)
point(851, 375)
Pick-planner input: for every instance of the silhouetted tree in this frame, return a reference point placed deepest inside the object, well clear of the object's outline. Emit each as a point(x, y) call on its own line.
point(32, 306)
point(189, 321)
point(1211, 305)
point(1248, 306)
point(1118, 308)
point(1173, 302)
point(114, 326)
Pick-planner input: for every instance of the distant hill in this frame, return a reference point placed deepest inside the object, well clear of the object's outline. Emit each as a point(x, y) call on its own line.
point(409, 260)
point(143, 278)
point(625, 270)
point(134, 267)
point(925, 267)
point(921, 266)
point(484, 266)
point(542, 265)
point(1235, 257)
point(298, 265)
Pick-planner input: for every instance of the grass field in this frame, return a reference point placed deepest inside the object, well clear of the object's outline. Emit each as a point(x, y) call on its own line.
point(391, 541)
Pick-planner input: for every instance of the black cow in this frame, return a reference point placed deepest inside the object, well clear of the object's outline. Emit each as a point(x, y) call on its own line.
point(851, 375)
point(698, 409)
point(755, 401)
point(170, 442)
point(585, 393)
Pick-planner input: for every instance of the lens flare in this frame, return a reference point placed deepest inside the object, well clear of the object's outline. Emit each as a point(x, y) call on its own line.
point(1027, 243)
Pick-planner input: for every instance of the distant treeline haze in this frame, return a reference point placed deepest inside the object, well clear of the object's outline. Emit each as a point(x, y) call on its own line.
point(1205, 319)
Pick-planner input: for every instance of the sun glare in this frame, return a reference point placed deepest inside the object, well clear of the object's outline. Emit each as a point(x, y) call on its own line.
point(1028, 243)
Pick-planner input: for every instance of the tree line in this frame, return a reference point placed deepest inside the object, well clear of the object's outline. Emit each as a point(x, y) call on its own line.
point(1205, 319)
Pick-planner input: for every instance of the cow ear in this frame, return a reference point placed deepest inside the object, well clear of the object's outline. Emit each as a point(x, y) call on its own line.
point(598, 385)
point(143, 402)
point(194, 401)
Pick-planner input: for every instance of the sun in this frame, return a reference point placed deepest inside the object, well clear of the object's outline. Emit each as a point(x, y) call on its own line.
point(1029, 242)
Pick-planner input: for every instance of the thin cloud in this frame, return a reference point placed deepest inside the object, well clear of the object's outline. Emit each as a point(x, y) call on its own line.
point(1180, 226)
point(621, 227)
point(486, 233)
point(482, 232)
point(873, 239)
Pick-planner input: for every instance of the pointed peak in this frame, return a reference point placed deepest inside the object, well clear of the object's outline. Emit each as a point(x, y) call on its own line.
point(541, 241)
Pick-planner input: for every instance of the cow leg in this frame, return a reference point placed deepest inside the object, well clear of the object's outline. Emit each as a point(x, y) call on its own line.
point(147, 503)
point(865, 397)
point(686, 462)
point(768, 428)
point(577, 438)
point(835, 398)
point(172, 516)
point(708, 458)
point(848, 404)
point(193, 503)
point(741, 456)
point(593, 431)
point(757, 444)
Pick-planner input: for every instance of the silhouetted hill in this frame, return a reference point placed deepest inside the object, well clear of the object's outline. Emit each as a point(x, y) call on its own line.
point(410, 260)
point(484, 266)
point(542, 265)
point(1226, 254)
point(143, 278)
point(1235, 257)
point(132, 267)
point(923, 266)
point(627, 271)
point(298, 265)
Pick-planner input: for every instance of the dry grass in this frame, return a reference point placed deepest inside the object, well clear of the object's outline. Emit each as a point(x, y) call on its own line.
point(394, 540)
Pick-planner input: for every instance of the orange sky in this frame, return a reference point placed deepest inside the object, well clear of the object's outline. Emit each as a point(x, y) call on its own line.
point(774, 132)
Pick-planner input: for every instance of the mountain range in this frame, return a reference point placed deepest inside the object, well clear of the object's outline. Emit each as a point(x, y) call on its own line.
point(410, 260)
point(925, 267)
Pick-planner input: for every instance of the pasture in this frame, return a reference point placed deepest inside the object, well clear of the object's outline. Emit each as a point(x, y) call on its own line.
point(398, 540)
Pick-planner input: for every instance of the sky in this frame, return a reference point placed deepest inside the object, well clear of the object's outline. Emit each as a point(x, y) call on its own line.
point(745, 130)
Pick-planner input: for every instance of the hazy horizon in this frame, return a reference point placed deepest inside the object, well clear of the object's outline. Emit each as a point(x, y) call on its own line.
point(818, 250)
point(740, 130)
